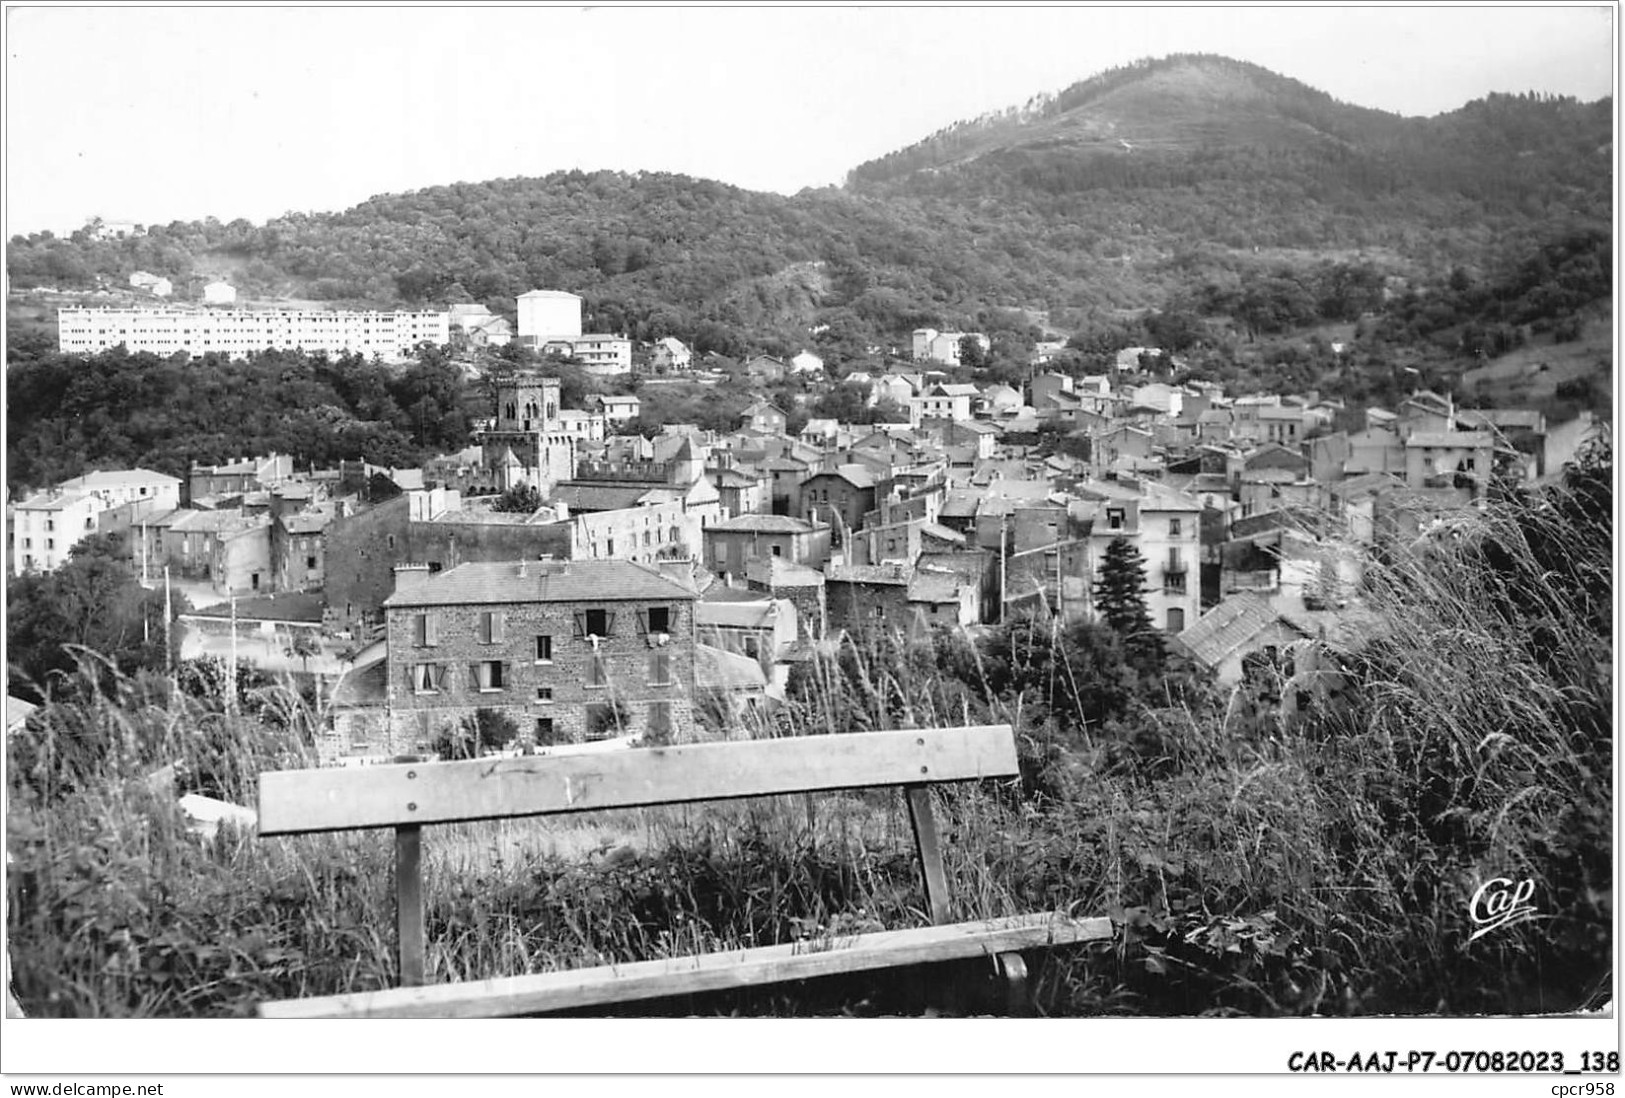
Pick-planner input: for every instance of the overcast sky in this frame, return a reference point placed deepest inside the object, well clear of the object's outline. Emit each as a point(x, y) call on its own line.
point(161, 114)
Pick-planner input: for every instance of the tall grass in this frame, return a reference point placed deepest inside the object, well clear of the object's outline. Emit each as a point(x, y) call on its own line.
point(1259, 858)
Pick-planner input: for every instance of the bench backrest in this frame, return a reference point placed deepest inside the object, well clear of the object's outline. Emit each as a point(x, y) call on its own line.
point(341, 798)
point(409, 795)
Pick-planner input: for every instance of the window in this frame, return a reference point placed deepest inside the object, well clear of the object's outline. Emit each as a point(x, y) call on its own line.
point(753, 647)
point(50, 543)
point(545, 736)
point(490, 627)
point(660, 668)
point(596, 674)
point(425, 678)
point(425, 631)
point(778, 550)
point(488, 675)
point(1174, 530)
point(594, 623)
point(544, 648)
point(50, 524)
point(1176, 620)
point(310, 562)
point(544, 693)
point(659, 620)
point(1114, 518)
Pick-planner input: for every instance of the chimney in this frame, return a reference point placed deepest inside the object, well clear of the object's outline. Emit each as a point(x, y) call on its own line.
point(521, 569)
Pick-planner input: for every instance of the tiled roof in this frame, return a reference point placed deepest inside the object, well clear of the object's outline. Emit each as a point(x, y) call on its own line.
point(307, 523)
point(544, 581)
point(114, 478)
point(858, 476)
point(778, 572)
point(764, 524)
point(868, 573)
point(217, 522)
point(757, 614)
point(1447, 439)
point(1228, 626)
point(719, 669)
point(45, 501)
point(288, 606)
point(598, 497)
point(934, 587)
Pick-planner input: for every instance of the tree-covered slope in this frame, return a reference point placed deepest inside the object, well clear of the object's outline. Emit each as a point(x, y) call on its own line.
point(1127, 188)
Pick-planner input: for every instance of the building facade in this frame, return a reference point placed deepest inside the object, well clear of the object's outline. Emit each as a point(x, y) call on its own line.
point(572, 651)
point(240, 332)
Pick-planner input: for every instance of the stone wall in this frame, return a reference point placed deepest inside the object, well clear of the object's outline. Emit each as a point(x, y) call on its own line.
point(626, 656)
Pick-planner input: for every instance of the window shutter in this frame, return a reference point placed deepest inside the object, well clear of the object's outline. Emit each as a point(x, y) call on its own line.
point(609, 623)
point(498, 626)
point(581, 623)
point(439, 672)
point(507, 674)
point(474, 677)
point(643, 621)
point(431, 629)
point(411, 679)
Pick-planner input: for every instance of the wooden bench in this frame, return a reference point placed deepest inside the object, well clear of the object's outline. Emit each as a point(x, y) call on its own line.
point(408, 797)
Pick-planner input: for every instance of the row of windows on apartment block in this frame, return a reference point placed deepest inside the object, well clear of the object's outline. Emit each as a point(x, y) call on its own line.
point(492, 627)
point(494, 676)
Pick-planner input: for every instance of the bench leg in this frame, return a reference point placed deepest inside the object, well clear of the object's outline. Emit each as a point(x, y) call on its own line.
point(1012, 971)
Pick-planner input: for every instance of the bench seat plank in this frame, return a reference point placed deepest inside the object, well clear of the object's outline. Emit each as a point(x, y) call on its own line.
point(575, 988)
point(293, 802)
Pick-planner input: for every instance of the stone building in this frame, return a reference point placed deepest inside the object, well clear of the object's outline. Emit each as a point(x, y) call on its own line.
point(572, 651)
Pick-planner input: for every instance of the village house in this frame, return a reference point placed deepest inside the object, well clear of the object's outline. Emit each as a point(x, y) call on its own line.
point(46, 526)
point(732, 544)
point(943, 401)
point(670, 356)
point(572, 651)
point(839, 496)
point(236, 477)
point(930, 345)
point(764, 417)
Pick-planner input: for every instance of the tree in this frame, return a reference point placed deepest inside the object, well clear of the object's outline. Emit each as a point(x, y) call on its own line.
point(971, 353)
point(303, 646)
point(1120, 598)
point(521, 499)
point(94, 601)
point(480, 733)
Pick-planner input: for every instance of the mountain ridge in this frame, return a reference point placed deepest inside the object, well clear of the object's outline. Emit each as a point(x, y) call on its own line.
point(1096, 197)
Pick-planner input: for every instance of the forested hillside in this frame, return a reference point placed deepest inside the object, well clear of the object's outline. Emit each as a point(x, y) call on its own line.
point(1139, 186)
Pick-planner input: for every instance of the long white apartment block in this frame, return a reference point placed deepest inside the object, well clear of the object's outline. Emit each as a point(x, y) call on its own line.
point(238, 332)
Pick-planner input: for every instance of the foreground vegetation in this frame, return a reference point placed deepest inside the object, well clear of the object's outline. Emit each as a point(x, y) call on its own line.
point(1306, 844)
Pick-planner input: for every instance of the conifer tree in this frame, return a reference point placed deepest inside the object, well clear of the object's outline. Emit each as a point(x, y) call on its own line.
point(1120, 599)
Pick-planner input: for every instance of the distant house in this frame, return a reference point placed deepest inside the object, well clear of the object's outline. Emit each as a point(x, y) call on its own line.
point(765, 368)
point(670, 355)
point(951, 402)
point(619, 408)
point(219, 293)
point(46, 526)
point(806, 363)
point(481, 328)
point(765, 417)
point(153, 284)
point(1241, 625)
point(930, 345)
